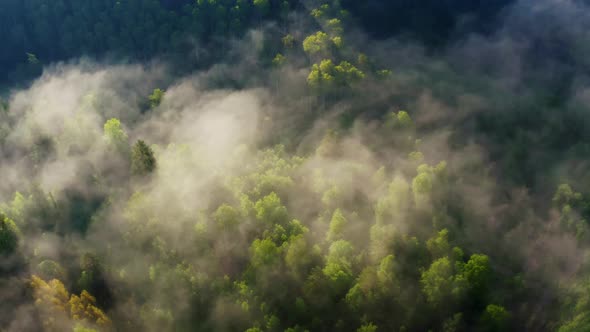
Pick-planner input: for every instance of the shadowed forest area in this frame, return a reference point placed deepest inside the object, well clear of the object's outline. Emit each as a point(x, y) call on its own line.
point(317, 165)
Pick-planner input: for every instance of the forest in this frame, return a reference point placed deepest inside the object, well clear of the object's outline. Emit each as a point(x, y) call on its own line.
point(292, 166)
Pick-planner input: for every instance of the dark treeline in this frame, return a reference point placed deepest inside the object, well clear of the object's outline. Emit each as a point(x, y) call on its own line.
point(40, 32)
point(36, 32)
point(434, 22)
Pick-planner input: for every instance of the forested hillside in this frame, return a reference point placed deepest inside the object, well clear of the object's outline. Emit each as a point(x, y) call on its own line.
point(320, 165)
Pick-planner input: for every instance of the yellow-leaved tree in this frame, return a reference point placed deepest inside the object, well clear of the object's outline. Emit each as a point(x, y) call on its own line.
point(60, 312)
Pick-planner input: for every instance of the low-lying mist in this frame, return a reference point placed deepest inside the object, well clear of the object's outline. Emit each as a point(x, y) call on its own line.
point(313, 179)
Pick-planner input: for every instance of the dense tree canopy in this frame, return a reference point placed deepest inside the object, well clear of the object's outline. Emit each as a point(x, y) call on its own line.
point(281, 165)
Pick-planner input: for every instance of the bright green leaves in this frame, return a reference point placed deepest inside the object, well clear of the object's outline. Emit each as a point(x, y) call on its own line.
point(377, 286)
point(115, 136)
point(338, 267)
point(80, 328)
point(264, 252)
point(288, 41)
point(422, 184)
point(113, 131)
point(565, 195)
point(573, 211)
point(477, 272)
point(327, 75)
point(318, 43)
point(448, 282)
point(367, 328)
point(337, 226)
point(576, 313)
point(270, 210)
point(279, 60)
point(439, 245)
point(334, 27)
point(425, 181)
point(320, 75)
point(156, 98)
point(438, 282)
point(346, 74)
point(386, 274)
point(449, 278)
point(273, 216)
point(403, 120)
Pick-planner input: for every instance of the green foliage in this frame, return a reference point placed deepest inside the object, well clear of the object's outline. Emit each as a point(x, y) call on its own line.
point(80, 328)
point(226, 217)
point(576, 308)
point(327, 75)
point(300, 256)
point(337, 226)
point(210, 242)
point(565, 195)
point(262, 5)
point(264, 252)
point(335, 26)
point(156, 98)
point(49, 269)
point(32, 59)
point(367, 328)
point(142, 159)
point(279, 60)
point(270, 210)
point(495, 318)
point(439, 283)
point(477, 271)
point(318, 43)
point(454, 323)
point(288, 41)
point(3, 105)
point(254, 329)
point(9, 235)
point(422, 184)
point(338, 267)
point(439, 245)
point(115, 135)
point(399, 121)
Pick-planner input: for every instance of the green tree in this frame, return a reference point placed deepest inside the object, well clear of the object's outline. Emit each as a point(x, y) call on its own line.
point(226, 217)
point(156, 98)
point(367, 328)
point(264, 252)
point(337, 226)
point(326, 75)
point(288, 41)
point(477, 271)
point(318, 43)
point(115, 136)
point(438, 282)
point(9, 235)
point(270, 210)
point(263, 6)
point(495, 318)
point(142, 159)
point(338, 267)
